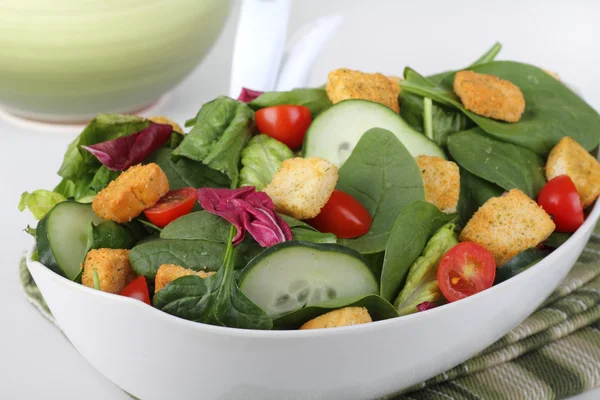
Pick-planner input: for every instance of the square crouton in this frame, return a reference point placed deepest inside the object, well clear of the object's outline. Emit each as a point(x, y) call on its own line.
point(169, 272)
point(302, 186)
point(489, 96)
point(508, 225)
point(112, 267)
point(135, 190)
point(341, 317)
point(344, 84)
point(441, 180)
point(569, 158)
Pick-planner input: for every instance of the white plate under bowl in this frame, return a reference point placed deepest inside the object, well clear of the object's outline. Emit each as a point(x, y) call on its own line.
point(154, 355)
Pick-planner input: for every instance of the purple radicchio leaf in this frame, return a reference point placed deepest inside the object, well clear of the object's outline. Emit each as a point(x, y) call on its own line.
point(247, 95)
point(249, 211)
point(426, 305)
point(121, 153)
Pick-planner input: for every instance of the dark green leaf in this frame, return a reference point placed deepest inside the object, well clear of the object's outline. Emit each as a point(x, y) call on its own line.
point(552, 111)
point(415, 225)
point(198, 255)
point(489, 55)
point(375, 263)
point(111, 235)
point(315, 99)
point(261, 158)
point(519, 263)
point(383, 176)
point(103, 177)
point(474, 191)
point(505, 164)
point(312, 236)
point(199, 225)
point(556, 239)
point(216, 300)
point(186, 172)
point(30, 231)
point(222, 129)
point(378, 308)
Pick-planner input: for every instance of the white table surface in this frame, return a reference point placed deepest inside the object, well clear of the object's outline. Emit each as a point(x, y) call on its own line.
point(37, 361)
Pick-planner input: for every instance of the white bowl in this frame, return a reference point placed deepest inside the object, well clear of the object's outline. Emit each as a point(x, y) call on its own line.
point(186, 360)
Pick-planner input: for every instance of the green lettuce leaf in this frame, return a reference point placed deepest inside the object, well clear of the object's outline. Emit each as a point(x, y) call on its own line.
point(421, 283)
point(261, 158)
point(39, 202)
point(222, 129)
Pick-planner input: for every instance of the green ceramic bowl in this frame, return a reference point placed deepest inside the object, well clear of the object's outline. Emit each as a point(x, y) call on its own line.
point(67, 60)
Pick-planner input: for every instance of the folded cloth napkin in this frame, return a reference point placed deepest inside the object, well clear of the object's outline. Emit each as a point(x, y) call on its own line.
point(554, 353)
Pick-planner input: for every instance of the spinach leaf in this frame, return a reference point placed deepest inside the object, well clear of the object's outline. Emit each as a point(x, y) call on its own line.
point(552, 111)
point(519, 263)
point(111, 235)
point(199, 225)
point(312, 236)
point(444, 120)
point(315, 99)
point(489, 55)
point(379, 309)
point(305, 233)
point(195, 254)
point(505, 164)
point(261, 158)
point(383, 176)
point(222, 129)
point(186, 172)
point(421, 282)
point(556, 239)
point(216, 300)
point(375, 263)
point(412, 229)
point(102, 178)
point(102, 128)
point(474, 191)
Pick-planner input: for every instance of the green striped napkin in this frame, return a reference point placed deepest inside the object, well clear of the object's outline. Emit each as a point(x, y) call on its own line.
point(555, 353)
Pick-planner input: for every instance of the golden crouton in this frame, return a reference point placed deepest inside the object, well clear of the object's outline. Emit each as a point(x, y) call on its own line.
point(342, 317)
point(302, 186)
point(508, 225)
point(169, 272)
point(344, 84)
point(167, 121)
point(442, 182)
point(489, 96)
point(569, 158)
point(134, 191)
point(113, 269)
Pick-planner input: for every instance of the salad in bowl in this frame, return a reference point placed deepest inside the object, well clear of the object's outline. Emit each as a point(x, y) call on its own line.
point(346, 241)
point(370, 198)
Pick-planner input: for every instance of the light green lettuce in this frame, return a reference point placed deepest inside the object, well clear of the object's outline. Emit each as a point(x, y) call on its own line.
point(261, 159)
point(421, 283)
point(39, 202)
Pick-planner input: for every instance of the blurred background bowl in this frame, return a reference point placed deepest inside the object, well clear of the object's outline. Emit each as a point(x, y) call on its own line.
point(67, 60)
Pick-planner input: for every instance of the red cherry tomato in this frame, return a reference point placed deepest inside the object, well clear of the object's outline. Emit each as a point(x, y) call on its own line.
point(288, 124)
point(343, 216)
point(173, 205)
point(560, 199)
point(137, 289)
point(464, 270)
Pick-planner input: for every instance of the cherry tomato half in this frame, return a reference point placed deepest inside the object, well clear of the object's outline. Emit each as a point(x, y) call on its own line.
point(464, 270)
point(288, 124)
point(343, 216)
point(137, 289)
point(173, 205)
point(560, 199)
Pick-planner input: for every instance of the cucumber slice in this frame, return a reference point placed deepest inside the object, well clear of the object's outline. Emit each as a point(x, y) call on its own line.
point(335, 132)
point(293, 275)
point(62, 236)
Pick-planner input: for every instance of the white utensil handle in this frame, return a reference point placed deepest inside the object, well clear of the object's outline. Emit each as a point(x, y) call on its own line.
point(304, 48)
point(259, 44)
